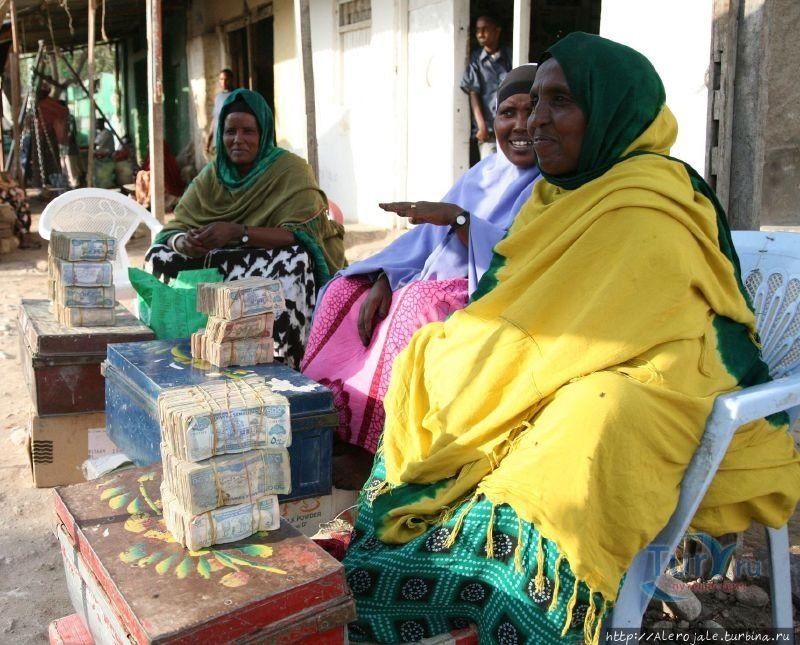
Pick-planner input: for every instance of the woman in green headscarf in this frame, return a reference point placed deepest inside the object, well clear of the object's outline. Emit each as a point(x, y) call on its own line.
point(535, 441)
point(256, 210)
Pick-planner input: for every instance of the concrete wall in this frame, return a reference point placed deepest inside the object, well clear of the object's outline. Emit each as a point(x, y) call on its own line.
point(391, 121)
point(676, 36)
point(780, 198)
point(360, 121)
point(290, 116)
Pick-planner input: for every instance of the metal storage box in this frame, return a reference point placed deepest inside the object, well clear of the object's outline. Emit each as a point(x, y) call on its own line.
point(131, 582)
point(137, 372)
point(62, 364)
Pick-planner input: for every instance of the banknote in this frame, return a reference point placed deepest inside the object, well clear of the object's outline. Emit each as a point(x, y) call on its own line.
point(219, 330)
point(84, 316)
point(74, 296)
point(223, 416)
point(239, 298)
point(80, 273)
point(82, 246)
point(228, 479)
point(245, 351)
point(220, 525)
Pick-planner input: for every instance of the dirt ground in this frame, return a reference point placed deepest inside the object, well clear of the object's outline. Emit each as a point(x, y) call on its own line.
point(32, 585)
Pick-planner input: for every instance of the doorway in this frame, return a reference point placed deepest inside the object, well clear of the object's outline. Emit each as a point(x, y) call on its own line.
point(252, 59)
point(551, 20)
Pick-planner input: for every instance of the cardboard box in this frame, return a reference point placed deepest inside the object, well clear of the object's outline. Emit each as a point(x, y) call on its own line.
point(58, 446)
point(310, 514)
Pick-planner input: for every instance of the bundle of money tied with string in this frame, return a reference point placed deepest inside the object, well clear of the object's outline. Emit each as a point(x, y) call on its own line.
point(81, 278)
point(224, 453)
point(241, 315)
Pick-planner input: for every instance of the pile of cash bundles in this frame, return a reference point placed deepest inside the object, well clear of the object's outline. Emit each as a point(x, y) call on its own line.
point(81, 278)
point(224, 452)
point(240, 319)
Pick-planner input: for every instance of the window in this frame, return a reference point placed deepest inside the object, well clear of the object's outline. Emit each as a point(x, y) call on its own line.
point(354, 14)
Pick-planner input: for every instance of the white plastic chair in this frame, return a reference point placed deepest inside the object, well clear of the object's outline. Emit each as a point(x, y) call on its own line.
point(98, 210)
point(771, 274)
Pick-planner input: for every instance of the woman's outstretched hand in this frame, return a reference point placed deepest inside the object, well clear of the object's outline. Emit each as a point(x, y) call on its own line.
point(377, 303)
point(436, 213)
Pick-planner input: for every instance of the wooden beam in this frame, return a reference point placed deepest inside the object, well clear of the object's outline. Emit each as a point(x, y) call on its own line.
point(92, 6)
point(13, 66)
point(303, 27)
point(522, 32)
point(155, 92)
point(722, 71)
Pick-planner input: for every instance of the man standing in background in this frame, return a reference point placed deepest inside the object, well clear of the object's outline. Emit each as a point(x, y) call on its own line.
point(225, 79)
point(487, 67)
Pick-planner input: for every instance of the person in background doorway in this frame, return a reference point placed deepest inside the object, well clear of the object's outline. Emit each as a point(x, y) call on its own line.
point(225, 80)
point(487, 68)
point(103, 140)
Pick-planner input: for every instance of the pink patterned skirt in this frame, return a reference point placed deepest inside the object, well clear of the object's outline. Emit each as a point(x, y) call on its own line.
point(358, 375)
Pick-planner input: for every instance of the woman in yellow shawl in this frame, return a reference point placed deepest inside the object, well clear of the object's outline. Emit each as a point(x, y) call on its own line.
point(256, 210)
point(535, 441)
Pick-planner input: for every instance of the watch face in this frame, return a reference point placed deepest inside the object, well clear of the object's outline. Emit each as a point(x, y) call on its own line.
point(461, 219)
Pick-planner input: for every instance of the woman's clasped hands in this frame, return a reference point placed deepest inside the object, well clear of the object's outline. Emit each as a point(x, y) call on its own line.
point(199, 241)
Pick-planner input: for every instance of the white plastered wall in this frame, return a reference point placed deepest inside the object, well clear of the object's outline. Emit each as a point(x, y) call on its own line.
point(679, 49)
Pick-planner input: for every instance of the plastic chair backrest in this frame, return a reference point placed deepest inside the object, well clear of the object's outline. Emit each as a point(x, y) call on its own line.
point(771, 274)
point(770, 266)
point(98, 210)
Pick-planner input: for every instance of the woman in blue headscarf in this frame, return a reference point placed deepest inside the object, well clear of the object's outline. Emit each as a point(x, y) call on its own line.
point(370, 310)
point(256, 210)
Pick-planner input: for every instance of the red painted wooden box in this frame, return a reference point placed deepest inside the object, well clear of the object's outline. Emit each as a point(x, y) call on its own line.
point(276, 587)
point(62, 364)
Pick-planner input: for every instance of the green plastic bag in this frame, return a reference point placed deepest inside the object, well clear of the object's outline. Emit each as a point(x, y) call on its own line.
point(170, 310)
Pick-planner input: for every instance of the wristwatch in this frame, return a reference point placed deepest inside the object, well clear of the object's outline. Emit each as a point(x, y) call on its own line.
point(461, 219)
point(245, 235)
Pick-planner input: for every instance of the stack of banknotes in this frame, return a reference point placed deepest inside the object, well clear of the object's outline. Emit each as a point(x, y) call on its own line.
point(81, 278)
point(241, 315)
point(224, 453)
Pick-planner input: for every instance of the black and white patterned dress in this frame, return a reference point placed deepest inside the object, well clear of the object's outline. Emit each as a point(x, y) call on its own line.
point(291, 266)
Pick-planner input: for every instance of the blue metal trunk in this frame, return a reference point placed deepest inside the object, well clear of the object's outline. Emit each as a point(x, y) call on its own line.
point(136, 373)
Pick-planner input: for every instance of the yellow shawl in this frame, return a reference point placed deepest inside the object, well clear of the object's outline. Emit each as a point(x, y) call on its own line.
point(577, 389)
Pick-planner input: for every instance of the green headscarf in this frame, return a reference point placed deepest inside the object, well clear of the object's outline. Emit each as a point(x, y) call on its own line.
point(268, 152)
point(620, 94)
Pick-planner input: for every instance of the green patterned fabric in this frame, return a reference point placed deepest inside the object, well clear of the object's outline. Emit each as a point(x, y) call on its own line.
point(407, 592)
